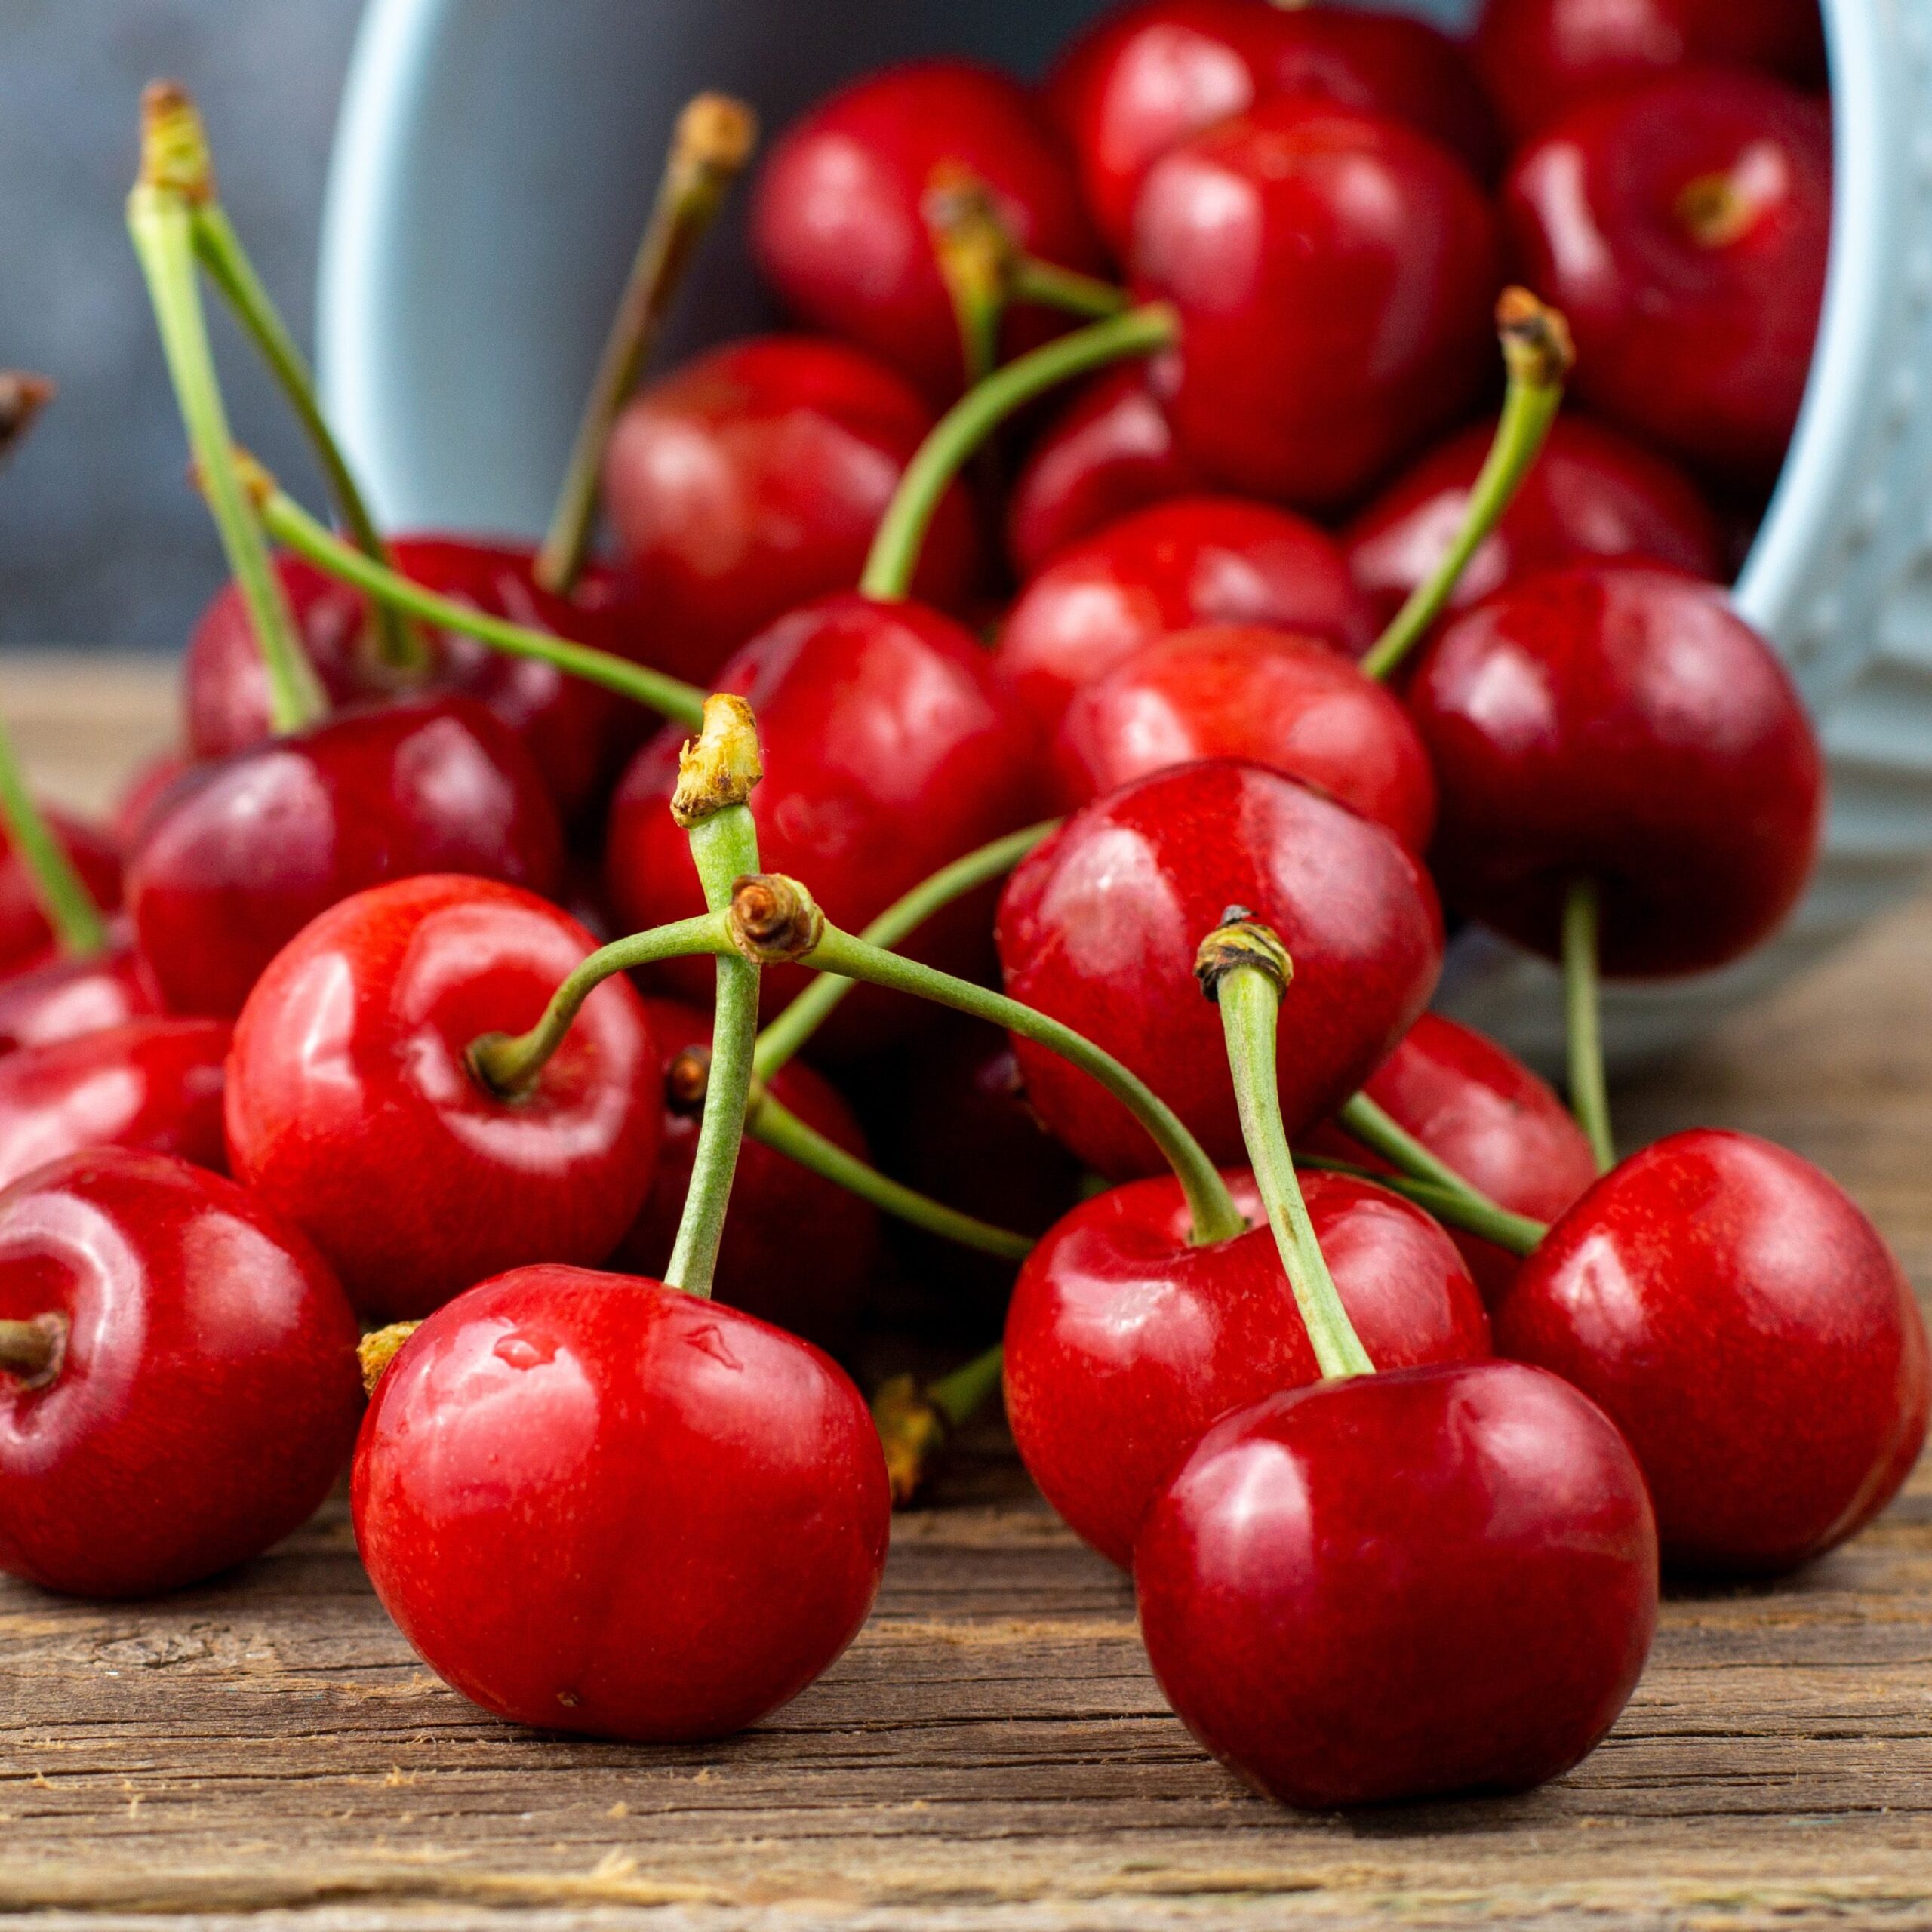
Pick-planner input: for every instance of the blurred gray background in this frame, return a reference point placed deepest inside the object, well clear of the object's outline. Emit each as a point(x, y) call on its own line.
point(101, 543)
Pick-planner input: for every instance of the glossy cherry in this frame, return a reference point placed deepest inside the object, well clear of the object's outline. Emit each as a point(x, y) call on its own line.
point(1098, 926)
point(779, 1209)
point(837, 225)
point(595, 1504)
point(352, 1109)
point(79, 994)
point(1291, 702)
point(1591, 494)
point(1683, 228)
point(890, 747)
point(1732, 1312)
point(752, 478)
point(1334, 274)
point(205, 1393)
point(1392, 1586)
point(26, 940)
point(245, 850)
point(1619, 723)
point(141, 793)
point(1123, 1343)
point(1194, 560)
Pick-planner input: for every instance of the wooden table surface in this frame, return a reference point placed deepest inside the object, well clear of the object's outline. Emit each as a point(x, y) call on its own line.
point(992, 1752)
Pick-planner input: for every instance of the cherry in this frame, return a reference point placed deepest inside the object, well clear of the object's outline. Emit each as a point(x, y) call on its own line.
point(1683, 227)
point(595, 1504)
point(1733, 1313)
point(1591, 494)
point(1123, 1342)
point(141, 793)
point(196, 1393)
point(1272, 697)
point(1437, 1579)
point(1194, 560)
point(1541, 58)
point(245, 851)
point(890, 747)
point(67, 997)
point(776, 1203)
point(1098, 927)
point(1620, 724)
point(26, 939)
point(838, 225)
point(752, 479)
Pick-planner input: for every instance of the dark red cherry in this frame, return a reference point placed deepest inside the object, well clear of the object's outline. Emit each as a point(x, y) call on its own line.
point(1592, 493)
point(752, 479)
point(26, 938)
point(777, 1205)
point(245, 850)
point(1392, 1586)
point(352, 1109)
point(1683, 228)
point(1334, 274)
point(837, 225)
point(1100, 924)
point(64, 998)
point(152, 1084)
point(1621, 723)
point(140, 795)
point(1476, 1106)
point(1291, 702)
point(1195, 560)
point(1734, 1314)
point(205, 1391)
point(890, 748)
point(595, 1504)
point(1542, 58)
point(1123, 1343)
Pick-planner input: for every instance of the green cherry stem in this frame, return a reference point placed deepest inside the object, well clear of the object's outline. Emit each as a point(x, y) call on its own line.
point(914, 1423)
point(1454, 1207)
point(161, 225)
point(1244, 968)
point(1362, 1120)
point(1049, 286)
point(895, 552)
point(1589, 1094)
point(1537, 355)
point(713, 139)
point(62, 893)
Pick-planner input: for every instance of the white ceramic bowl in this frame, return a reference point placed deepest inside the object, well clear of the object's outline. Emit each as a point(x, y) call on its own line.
point(493, 162)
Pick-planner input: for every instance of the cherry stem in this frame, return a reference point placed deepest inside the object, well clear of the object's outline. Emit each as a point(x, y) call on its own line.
point(295, 529)
point(161, 225)
point(1537, 353)
point(712, 141)
point(58, 885)
point(1050, 286)
point(894, 557)
point(1589, 1093)
point(973, 250)
point(1455, 1208)
point(1363, 1121)
point(33, 1350)
point(22, 396)
point(793, 1029)
point(1245, 969)
point(914, 1423)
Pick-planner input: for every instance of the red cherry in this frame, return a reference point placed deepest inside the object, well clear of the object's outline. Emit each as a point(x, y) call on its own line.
point(1441, 1579)
point(1591, 494)
point(890, 748)
point(142, 791)
point(1229, 690)
point(1334, 275)
point(1123, 1343)
point(752, 479)
point(1542, 58)
point(776, 1203)
point(245, 851)
point(1195, 560)
point(151, 1084)
point(352, 1108)
point(1734, 1314)
point(1477, 1108)
point(65, 997)
point(837, 221)
point(1098, 927)
point(595, 1504)
point(1619, 723)
point(1683, 229)
point(206, 1394)
point(26, 938)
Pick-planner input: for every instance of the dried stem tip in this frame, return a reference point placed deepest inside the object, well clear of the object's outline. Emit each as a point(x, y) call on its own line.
point(1241, 939)
point(910, 1431)
point(174, 145)
point(774, 919)
point(22, 398)
point(721, 765)
point(964, 220)
point(379, 1348)
point(1536, 343)
point(715, 131)
point(33, 1350)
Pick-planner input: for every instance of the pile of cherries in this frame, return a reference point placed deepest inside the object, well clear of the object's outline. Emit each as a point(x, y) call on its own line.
point(488, 937)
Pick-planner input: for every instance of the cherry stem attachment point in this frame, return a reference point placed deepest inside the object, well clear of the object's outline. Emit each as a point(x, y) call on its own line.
point(973, 252)
point(31, 1351)
point(1537, 354)
point(1468, 1213)
point(714, 138)
point(1245, 970)
point(1589, 1093)
point(914, 1423)
point(378, 1349)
